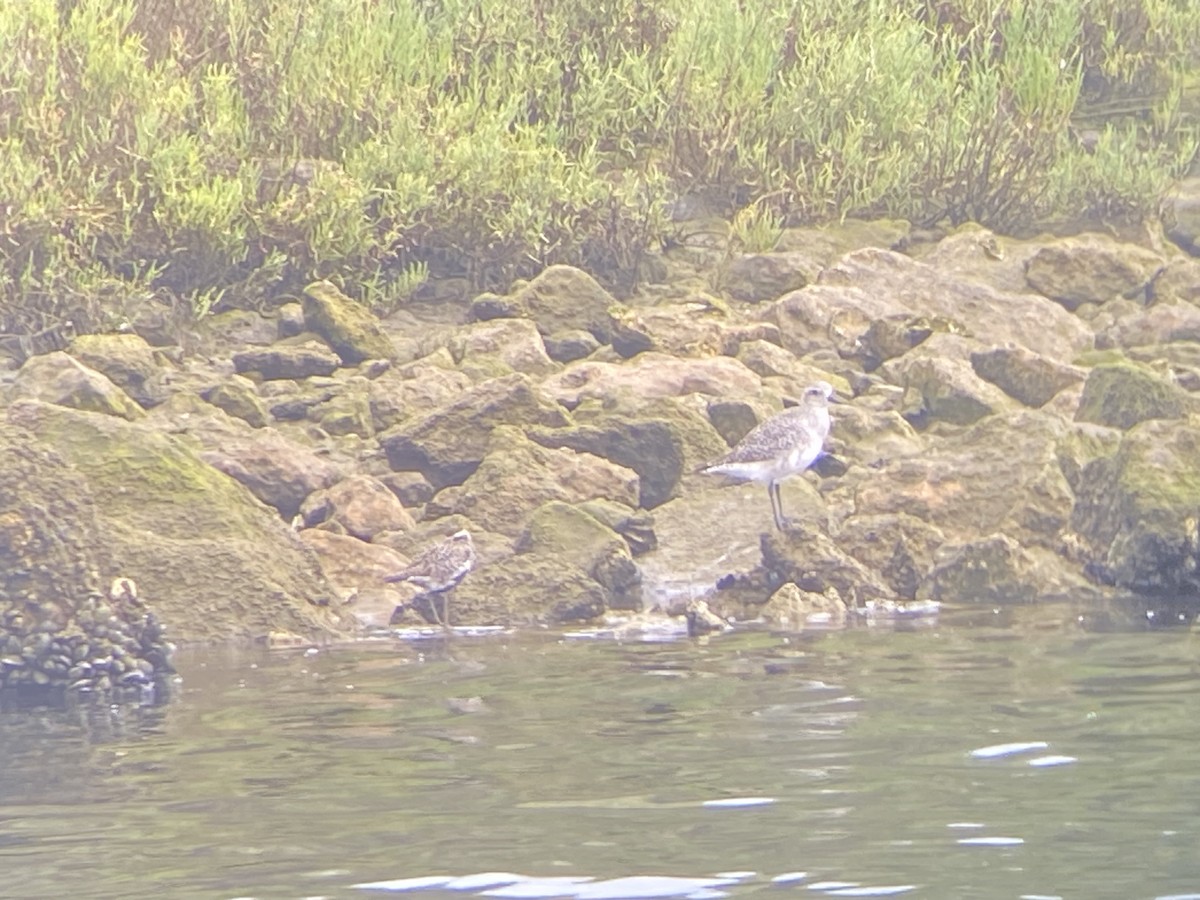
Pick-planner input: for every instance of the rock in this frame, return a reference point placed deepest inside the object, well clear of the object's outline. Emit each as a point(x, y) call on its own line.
point(126, 359)
point(659, 441)
point(563, 298)
point(512, 343)
point(291, 360)
point(61, 379)
point(418, 387)
point(633, 525)
point(1122, 394)
point(754, 277)
point(356, 571)
point(1024, 375)
point(348, 411)
point(809, 558)
point(651, 375)
point(448, 444)
point(695, 328)
point(561, 531)
point(568, 346)
point(1160, 324)
point(290, 321)
point(872, 284)
point(893, 336)
point(900, 547)
point(793, 608)
point(993, 569)
point(410, 488)
point(217, 563)
point(938, 389)
point(516, 476)
point(347, 326)
point(292, 401)
point(1137, 510)
point(1002, 474)
point(1182, 215)
point(488, 306)
point(277, 471)
point(1091, 268)
point(362, 505)
point(238, 397)
point(526, 589)
point(1178, 281)
point(825, 244)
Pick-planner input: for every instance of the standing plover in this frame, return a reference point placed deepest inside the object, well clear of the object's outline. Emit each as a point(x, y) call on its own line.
point(783, 445)
point(437, 570)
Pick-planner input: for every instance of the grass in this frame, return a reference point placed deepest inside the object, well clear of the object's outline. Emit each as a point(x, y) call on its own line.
point(208, 153)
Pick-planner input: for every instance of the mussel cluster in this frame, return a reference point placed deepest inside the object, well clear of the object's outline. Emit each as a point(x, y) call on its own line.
point(107, 645)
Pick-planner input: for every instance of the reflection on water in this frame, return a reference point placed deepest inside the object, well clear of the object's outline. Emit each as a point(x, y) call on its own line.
point(953, 760)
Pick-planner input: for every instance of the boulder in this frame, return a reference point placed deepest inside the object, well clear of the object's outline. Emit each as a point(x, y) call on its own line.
point(512, 345)
point(1178, 281)
point(695, 328)
point(218, 564)
point(126, 359)
point(1182, 214)
point(1160, 324)
point(297, 358)
point(813, 561)
point(652, 375)
point(516, 476)
point(356, 570)
point(755, 277)
point(237, 396)
point(1122, 394)
point(991, 569)
point(899, 547)
point(527, 589)
point(361, 505)
point(1137, 510)
point(940, 389)
point(568, 346)
point(563, 298)
point(61, 379)
point(1024, 375)
point(420, 386)
point(448, 444)
point(347, 326)
point(1091, 268)
point(793, 608)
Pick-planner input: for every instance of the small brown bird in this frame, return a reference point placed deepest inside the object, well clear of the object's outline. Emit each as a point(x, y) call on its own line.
point(437, 570)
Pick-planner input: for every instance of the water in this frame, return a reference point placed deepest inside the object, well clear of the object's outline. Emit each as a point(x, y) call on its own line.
point(844, 757)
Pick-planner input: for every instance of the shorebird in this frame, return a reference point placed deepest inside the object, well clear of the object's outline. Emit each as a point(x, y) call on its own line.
point(784, 445)
point(437, 570)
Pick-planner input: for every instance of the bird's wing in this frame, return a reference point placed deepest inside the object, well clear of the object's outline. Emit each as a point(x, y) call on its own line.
point(773, 437)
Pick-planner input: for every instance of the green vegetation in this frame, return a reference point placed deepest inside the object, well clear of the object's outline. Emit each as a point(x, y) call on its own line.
point(226, 151)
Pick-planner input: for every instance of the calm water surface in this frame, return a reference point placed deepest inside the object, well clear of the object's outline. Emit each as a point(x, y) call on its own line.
point(847, 756)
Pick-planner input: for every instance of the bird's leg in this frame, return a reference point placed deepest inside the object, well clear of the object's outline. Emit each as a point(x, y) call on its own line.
point(776, 505)
point(433, 609)
point(446, 609)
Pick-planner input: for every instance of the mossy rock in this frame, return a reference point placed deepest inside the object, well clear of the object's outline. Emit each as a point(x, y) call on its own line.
point(61, 379)
point(526, 589)
point(236, 396)
point(563, 298)
point(126, 359)
point(348, 327)
point(1121, 395)
point(218, 562)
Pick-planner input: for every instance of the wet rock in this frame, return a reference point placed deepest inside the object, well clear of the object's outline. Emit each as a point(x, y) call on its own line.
point(216, 562)
point(362, 505)
point(993, 569)
point(126, 359)
point(61, 379)
point(561, 531)
point(237, 396)
point(793, 608)
point(701, 620)
point(634, 526)
point(1137, 510)
point(1091, 268)
point(1123, 394)
point(568, 346)
point(900, 547)
point(810, 559)
point(356, 571)
point(526, 589)
point(448, 444)
point(283, 361)
point(347, 326)
point(1024, 375)
point(516, 476)
point(563, 298)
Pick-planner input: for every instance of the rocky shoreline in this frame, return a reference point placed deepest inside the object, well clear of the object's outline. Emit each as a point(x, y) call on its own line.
point(1021, 423)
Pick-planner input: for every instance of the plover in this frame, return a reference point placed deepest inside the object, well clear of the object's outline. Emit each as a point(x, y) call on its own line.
point(437, 570)
point(784, 445)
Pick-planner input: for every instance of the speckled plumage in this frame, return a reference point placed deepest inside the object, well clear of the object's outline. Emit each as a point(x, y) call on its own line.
point(783, 445)
point(439, 568)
